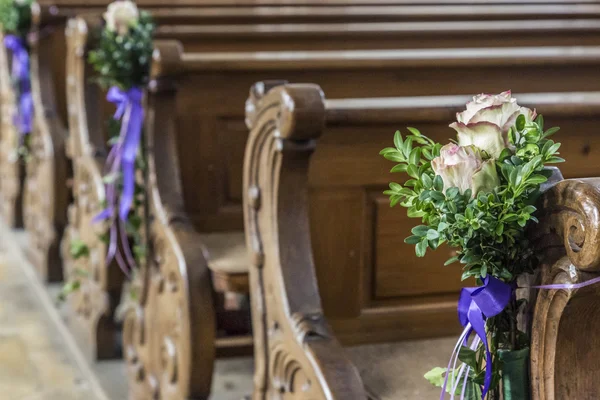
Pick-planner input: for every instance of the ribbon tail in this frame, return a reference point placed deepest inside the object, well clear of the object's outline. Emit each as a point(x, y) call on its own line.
point(476, 319)
point(465, 333)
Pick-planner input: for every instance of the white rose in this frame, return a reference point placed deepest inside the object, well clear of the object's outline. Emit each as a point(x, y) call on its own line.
point(464, 168)
point(120, 16)
point(487, 120)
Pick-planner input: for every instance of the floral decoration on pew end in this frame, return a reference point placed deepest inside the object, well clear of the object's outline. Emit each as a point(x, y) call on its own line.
point(477, 195)
point(122, 63)
point(15, 20)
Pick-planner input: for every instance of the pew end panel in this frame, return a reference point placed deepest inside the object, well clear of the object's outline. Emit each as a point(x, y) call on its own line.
point(296, 354)
point(93, 306)
point(12, 168)
point(563, 360)
point(46, 196)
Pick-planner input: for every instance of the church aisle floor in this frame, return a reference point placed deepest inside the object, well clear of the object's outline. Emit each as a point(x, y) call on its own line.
point(35, 360)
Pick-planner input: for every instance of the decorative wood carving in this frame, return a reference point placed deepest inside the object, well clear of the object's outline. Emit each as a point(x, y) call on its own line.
point(169, 336)
point(46, 196)
point(564, 363)
point(93, 305)
point(12, 169)
point(296, 354)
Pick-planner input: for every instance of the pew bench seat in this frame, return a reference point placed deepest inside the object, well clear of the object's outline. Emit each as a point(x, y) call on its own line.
point(228, 260)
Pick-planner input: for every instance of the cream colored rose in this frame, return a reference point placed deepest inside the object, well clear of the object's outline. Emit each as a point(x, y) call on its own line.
point(464, 168)
point(487, 120)
point(120, 16)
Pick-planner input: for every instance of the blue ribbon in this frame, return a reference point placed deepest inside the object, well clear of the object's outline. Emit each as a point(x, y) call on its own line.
point(475, 305)
point(121, 159)
point(20, 73)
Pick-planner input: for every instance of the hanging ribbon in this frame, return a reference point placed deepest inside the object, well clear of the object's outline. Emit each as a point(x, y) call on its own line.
point(475, 305)
point(121, 160)
point(20, 74)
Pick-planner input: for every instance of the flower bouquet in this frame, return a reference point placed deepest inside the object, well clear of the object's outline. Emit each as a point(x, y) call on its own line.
point(477, 195)
point(122, 60)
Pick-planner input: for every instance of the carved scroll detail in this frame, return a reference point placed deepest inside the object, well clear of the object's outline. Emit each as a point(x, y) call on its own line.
point(296, 354)
point(169, 335)
point(12, 169)
point(563, 360)
point(93, 305)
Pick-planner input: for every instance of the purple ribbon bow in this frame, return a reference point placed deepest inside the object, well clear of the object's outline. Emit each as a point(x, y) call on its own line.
point(475, 305)
point(121, 159)
point(20, 73)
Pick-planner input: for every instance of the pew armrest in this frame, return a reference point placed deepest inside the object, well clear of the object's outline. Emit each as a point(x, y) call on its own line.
point(563, 362)
point(296, 352)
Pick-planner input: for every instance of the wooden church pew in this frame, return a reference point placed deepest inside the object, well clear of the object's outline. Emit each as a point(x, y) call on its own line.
point(45, 215)
point(218, 177)
point(208, 125)
point(297, 354)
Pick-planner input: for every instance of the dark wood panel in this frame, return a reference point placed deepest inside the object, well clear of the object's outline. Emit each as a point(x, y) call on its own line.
point(398, 271)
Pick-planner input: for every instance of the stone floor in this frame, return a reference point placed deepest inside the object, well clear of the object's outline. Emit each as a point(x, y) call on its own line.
point(39, 359)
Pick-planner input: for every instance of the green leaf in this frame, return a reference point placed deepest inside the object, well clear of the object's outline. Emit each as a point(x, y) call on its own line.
point(413, 212)
point(415, 156)
point(537, 179)
point(79, 249)
point(468, 356)
point(451, 193)
point(437, 196)
point(540, 121)
point(399, 168)
point(554, 148)
point(412, 239)
point(520, 124)
point(407, 148)
point(421, 248)
point(413, 171)
point(398, 140)
point(414, 131)
point(436, 376)
point(451, 260)
point(438, 183)
point(504, 154)
point(555, 160)
point(420, 230)
point(432, 234)
point(427, 182)
point(550, 132)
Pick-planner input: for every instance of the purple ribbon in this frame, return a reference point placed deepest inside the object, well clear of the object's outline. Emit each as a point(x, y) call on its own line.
point(20, 74)
point(121, 160)
point(475, 305)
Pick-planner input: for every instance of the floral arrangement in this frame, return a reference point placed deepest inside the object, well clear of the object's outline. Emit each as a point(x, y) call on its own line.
point(122, 61)
point(15, 18)
point(477, 195)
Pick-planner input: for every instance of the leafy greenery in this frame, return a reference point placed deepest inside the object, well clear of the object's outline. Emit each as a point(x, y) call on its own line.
point(79, 249)
point(15, 17)
point(488, 229)
point(124, 61)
